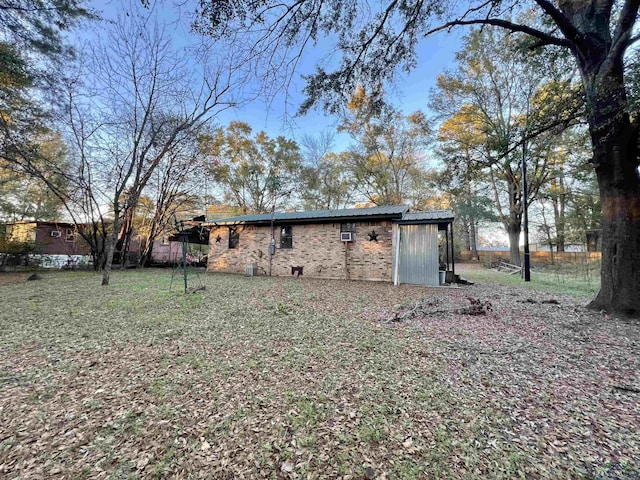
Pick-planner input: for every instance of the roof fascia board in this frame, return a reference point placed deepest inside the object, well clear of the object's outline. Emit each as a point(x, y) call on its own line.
point(443, 221)
point(298, 221)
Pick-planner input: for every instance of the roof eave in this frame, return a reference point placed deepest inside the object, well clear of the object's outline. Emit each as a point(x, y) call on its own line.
point(298, 221)
point(424, 221)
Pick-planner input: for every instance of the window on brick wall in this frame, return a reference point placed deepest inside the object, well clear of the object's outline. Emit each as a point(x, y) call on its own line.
point(234, 237)
point(286, 236)
point(348, 227)
point(70, 235)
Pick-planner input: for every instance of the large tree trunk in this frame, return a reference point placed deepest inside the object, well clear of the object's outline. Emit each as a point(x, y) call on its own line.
point(616, 163)
point(620, 194)
point(559, 200)
point(124, 239)
point(514, 244)
point(473, 237)
point(466, 233)
point(111, 240)
point(146, 250)
point(106, 272)
point(514, 221)
point(146, 257)
point(592, 239)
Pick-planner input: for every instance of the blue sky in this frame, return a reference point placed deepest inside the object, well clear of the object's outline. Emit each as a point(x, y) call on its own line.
point(409, 94)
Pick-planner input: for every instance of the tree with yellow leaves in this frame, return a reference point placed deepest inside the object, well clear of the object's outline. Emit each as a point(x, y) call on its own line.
point(388, 161)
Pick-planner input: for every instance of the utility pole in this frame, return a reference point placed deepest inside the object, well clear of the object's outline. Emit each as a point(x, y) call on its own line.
point(272, 240)
point(274, 187)
point(527, 260)
point(183, 237)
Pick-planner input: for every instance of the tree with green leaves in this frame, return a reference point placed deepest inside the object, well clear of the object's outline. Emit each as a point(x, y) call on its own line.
point(460, 147)
point(387, 161)
point(488, 99)
point(257, 173)
point(37, 27)
point(569, 174)
point(326, 182)
point(583, 211)
point(375, 40)
point(32, 51)
point(328, 185)
point(25, 197)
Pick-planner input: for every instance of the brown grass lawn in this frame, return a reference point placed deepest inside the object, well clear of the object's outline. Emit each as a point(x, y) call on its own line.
point(299, 378)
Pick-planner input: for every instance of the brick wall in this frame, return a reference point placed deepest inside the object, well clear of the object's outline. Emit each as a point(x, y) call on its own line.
point(316, 247)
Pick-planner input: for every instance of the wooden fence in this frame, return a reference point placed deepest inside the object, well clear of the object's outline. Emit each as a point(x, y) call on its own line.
point(547, 258)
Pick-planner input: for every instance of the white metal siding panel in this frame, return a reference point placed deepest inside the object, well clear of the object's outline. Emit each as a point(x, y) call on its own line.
point(419, 254)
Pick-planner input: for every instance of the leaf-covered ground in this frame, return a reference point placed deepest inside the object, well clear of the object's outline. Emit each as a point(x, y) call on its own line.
point(300, 378)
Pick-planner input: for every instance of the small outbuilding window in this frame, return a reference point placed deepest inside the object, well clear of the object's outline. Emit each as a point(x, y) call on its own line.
point(286, 236)
point(234, 238)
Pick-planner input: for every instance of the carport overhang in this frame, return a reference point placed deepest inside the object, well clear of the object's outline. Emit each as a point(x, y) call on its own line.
point(444, 220)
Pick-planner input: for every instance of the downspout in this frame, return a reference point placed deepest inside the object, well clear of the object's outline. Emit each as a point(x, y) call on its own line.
point(272, 242)
point(272, 250)
point(446, 246)
point(183, 239)
point(453, 254)
point(346, 260)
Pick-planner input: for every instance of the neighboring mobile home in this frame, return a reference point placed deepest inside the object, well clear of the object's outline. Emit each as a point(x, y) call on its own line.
point(168, 250)
point(53, 244)
point(355, 244)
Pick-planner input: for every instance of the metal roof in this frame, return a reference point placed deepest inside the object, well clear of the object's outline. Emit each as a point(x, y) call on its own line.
point(433, 216)
point(392, 211)
point(39, 223)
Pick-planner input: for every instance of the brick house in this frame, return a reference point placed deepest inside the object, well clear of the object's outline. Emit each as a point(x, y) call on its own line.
point(354, 244)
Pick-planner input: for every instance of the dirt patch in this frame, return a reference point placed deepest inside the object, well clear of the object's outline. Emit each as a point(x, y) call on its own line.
point(461, 268)
point(9, 278)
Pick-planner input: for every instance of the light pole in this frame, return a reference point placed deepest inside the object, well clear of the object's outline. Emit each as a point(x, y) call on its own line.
point(527, 260)
point(272, 241)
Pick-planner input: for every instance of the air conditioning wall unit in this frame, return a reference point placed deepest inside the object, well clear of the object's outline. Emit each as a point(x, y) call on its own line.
point(251, 269)
point(346, 236)
point(56, 233)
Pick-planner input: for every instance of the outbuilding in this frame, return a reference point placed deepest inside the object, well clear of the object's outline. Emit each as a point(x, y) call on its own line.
point(386, 243)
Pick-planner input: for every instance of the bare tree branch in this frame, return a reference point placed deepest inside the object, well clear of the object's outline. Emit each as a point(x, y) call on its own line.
point(545, 38)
